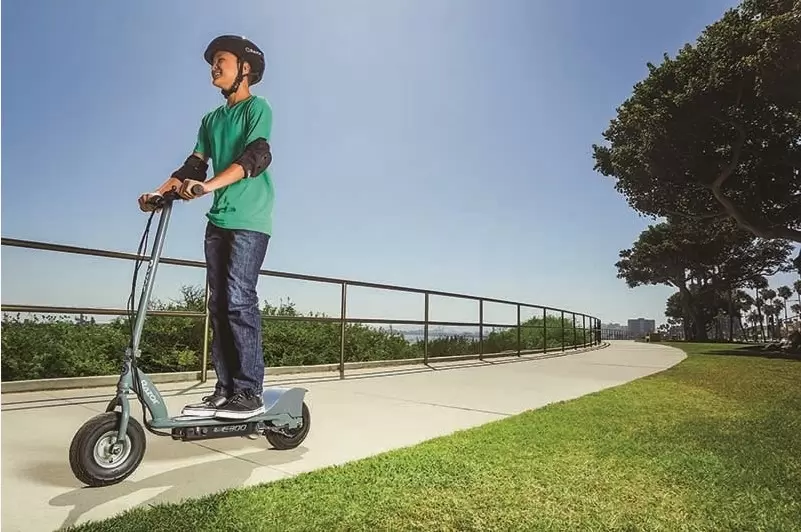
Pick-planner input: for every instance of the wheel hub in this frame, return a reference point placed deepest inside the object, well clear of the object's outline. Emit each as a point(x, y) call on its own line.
point(107, 453)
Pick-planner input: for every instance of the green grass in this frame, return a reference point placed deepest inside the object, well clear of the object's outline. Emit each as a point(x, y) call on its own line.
point(711, 444)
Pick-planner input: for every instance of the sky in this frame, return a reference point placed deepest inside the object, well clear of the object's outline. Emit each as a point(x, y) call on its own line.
point(442, 145)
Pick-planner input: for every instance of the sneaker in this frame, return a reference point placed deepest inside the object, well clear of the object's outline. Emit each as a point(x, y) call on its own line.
point(241, 406)
point(207, 407)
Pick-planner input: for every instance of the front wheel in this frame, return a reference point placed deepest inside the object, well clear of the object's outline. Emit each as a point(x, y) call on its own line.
point(291, 438)
point(96, 461)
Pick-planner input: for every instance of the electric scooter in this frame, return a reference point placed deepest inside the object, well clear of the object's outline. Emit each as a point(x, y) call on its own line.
point(110, 446)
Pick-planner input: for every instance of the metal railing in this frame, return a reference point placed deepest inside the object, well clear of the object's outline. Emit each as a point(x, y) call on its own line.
point(588, 323)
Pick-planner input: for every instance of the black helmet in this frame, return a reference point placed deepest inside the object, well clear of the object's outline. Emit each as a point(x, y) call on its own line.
point(244, 50)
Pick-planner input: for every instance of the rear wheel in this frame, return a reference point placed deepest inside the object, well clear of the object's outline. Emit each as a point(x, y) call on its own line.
point(97, 461)
point(291, 438)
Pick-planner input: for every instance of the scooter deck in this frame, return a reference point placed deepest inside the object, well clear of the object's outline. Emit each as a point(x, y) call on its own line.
point(279, 404)
point(196, 421)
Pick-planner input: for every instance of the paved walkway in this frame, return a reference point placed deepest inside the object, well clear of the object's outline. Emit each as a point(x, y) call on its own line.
point(369, 412)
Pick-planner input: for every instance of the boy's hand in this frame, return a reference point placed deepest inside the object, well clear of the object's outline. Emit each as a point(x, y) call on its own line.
point(185, 191)
point(144, 206)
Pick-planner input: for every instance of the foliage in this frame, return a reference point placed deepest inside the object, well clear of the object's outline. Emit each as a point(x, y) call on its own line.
point(713, 133)
point(51, 346)
point(707, 263)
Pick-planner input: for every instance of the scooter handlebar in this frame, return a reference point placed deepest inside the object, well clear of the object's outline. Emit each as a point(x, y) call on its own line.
point(157, 200)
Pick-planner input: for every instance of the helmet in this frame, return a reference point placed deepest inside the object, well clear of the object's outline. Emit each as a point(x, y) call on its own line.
point(244, 50)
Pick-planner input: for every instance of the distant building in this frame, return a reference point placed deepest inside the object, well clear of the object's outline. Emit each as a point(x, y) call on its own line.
point(640, 327)
point(614, 331)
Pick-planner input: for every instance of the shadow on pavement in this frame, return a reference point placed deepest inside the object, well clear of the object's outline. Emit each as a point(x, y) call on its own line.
point(190, 481)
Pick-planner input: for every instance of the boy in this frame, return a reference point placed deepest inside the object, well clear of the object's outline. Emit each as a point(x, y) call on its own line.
point(235, 136)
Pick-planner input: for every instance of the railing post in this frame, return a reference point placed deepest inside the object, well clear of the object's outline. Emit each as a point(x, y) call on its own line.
point(583, 330)
point(544, 330)
point(518, 329)
point(343, 322)
point(575, 340)
point(425, 333)
point(563, 331)
point(205, 357)
point(480, 329)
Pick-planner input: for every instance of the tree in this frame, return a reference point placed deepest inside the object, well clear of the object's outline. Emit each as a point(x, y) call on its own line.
point(714, 132)
point(785, 293)
point(705, 262)
point(704, 307)
point(797, 288)
point(767, 296)
point(743, 302)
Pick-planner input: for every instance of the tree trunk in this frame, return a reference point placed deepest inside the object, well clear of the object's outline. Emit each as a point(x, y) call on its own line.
point(686, 306)
point(731, 317)
point(700, 329)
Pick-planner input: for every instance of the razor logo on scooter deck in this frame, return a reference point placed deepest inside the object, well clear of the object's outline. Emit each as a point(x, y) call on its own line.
point(207, 432)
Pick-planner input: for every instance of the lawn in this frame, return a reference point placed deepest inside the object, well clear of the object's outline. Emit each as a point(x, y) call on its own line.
point(713, 443)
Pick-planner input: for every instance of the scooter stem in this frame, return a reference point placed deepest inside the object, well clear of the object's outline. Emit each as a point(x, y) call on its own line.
point(147, 289)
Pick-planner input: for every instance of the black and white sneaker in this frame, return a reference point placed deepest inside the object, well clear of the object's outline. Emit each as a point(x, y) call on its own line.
point(207, 407)
point(241, 406)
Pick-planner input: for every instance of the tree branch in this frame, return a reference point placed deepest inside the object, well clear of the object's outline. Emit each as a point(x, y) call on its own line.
point(714, 216)
point(736, 212)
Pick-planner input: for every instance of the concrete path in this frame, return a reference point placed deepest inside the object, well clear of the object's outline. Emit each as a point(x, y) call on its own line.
point(369, 412)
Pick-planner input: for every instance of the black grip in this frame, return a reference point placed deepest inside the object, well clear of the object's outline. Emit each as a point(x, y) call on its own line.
point(155, 200)
point(197, 190)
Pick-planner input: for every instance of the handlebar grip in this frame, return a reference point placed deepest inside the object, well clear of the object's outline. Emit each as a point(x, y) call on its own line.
point(197, 190)
point(155, 200)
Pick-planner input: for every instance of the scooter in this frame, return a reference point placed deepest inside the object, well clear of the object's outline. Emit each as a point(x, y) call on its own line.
point(109, 447)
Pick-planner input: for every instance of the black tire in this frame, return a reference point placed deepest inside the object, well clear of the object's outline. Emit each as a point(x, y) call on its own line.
point(283, 442)
point(83, 461)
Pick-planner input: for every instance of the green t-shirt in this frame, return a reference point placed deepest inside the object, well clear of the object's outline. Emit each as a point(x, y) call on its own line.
point(224, 133)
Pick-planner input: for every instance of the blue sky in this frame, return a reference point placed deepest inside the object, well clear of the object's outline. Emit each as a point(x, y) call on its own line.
point(442, 145)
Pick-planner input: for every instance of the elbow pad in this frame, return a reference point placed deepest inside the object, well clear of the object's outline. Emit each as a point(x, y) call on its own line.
point(194, 168)
point(256, 157)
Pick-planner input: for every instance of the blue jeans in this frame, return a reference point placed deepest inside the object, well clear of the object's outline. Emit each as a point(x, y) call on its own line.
point(233, 261)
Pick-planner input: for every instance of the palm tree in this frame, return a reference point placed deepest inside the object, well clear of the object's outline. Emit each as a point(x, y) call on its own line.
point(767, 295)
point(759, 303)
point(777, 307)
point(785, 293)
point(743, 301)
point(797, 288)
point(754, 317)
point(760, 283)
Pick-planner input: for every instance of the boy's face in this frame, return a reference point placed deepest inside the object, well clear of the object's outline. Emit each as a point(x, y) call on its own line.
point(224, 68)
